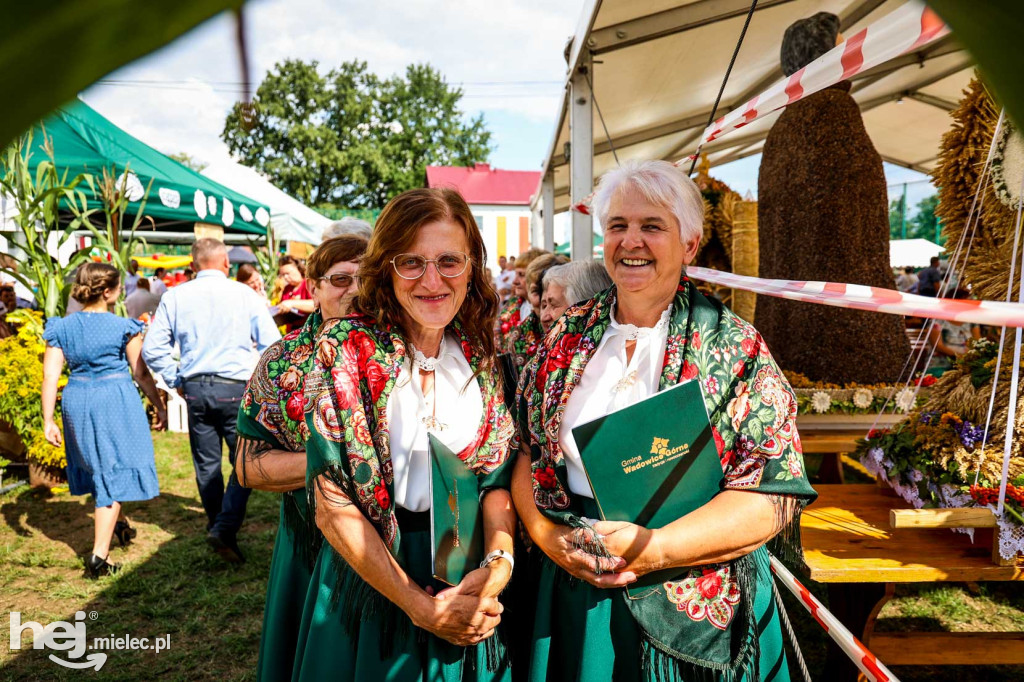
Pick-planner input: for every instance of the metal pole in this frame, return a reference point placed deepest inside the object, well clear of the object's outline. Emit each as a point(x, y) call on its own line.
point(903, 213)
point(548, 214)
point(581, 160)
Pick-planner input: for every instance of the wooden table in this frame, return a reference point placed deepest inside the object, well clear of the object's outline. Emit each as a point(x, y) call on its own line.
point(849, 546)
point(834, 435)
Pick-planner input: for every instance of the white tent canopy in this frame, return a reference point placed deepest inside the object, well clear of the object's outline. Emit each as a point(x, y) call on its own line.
point(655, 69)
point(912, 252)
point(290, 219)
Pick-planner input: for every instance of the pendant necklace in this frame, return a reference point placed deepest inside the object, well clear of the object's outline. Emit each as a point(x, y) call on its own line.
point(428, 365)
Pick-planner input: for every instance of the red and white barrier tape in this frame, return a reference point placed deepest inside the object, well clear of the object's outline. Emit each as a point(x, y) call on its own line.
point(872, 668)
point(875, 299)
point(903, 30)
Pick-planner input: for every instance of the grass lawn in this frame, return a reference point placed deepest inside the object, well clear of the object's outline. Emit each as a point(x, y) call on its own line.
point(172, 584)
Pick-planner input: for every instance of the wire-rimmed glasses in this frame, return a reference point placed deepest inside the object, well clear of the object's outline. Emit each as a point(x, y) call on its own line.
point(413, 266)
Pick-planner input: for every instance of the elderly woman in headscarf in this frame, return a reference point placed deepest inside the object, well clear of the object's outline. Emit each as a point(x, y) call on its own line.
point(271, 455)
point(413, 364)
point(650, 331)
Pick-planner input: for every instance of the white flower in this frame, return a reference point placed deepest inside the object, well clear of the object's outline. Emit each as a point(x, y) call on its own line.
point(862, 398)
point(821, 402)
point(905, 400)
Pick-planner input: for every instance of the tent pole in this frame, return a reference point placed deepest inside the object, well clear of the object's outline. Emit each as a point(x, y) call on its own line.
point(581, 159)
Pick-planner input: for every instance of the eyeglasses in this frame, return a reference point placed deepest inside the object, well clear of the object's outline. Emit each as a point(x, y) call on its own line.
point(413, 266)
point(340, 280)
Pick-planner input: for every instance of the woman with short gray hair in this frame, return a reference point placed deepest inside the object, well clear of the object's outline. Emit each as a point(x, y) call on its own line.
point(569, 284)
point(715, 619)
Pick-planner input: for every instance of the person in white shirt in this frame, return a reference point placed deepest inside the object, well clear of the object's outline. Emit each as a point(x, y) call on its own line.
point(142, 300)
point(131, 280)
point(157, 285)
point(220, 326)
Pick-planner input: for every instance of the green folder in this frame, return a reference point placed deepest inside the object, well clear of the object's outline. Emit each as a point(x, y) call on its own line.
point(456, 522)
point(652, 463)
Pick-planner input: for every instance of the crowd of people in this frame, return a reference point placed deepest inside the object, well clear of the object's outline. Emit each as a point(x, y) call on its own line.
point(400, 340)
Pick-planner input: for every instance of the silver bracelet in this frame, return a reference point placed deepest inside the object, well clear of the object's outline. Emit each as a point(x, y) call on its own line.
point(499, 554)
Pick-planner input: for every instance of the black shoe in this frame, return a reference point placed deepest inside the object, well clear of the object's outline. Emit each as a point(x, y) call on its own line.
point(225, 547)
point(124, 533)
point(96, 567)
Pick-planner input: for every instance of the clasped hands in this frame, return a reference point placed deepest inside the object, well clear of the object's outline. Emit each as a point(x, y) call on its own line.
point(634, 551)
point(469, 612)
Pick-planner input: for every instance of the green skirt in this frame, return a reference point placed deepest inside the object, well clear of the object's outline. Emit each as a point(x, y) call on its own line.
point(586, 633)
point(286, 592)
point(327, 649)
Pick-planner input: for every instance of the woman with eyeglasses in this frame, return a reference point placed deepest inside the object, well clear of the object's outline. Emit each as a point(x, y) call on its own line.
point(415, 360)
point(271, 450)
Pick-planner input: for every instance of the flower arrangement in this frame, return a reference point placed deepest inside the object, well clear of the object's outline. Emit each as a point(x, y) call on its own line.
point(821, 397)
point(21, 380)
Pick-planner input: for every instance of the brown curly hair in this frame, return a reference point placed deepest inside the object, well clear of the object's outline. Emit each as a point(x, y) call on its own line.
point(92, 279)
point(394, 234)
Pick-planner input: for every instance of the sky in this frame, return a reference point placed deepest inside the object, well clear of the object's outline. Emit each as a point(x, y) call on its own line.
point(507, 55)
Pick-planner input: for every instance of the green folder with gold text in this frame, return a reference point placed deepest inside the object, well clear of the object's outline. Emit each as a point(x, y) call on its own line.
point(652, 463)
point(456, 522)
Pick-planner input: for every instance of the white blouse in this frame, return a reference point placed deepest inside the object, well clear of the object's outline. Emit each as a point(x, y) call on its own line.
point(609, 383)
point(459, 409)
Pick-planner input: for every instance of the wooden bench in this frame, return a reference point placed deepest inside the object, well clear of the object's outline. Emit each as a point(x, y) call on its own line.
point(850, 546)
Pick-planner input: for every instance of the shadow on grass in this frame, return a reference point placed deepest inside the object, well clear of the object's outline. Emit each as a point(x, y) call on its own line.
point(211, 610)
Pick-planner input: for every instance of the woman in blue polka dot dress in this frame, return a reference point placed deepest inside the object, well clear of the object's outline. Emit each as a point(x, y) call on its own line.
point(106, 433)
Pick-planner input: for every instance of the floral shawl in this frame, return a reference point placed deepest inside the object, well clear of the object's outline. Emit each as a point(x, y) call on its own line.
point(356, 364)
point(508, 319)
point(271, 411)
point(702, 623)
point(522, 340)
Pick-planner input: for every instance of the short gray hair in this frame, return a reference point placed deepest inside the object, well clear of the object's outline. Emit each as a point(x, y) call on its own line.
point(581, 279)
point(204, 250)
point(662, 184)
point(348, 225)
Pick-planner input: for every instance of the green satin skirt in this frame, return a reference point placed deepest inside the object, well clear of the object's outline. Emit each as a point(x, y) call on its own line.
point(585, 633)
point(326, 650)
point(286, 594)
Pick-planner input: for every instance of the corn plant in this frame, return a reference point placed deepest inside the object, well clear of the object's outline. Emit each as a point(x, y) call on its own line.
point(38, 200)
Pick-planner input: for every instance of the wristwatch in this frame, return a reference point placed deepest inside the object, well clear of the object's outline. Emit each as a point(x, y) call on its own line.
point(499, 554)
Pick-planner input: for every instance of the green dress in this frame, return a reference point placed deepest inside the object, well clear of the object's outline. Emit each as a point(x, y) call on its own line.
point(349, 630)
point(715, 622)
point(271, 412)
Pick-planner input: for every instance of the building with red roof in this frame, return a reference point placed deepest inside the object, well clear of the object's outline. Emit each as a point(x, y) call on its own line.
point(500, 201)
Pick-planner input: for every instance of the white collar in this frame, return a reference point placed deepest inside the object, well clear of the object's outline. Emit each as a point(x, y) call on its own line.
point(633, 332)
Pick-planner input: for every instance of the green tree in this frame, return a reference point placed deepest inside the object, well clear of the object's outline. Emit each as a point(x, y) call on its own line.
point(186, 159)
point(924, 224)
point(896, 218)
point(348, 138)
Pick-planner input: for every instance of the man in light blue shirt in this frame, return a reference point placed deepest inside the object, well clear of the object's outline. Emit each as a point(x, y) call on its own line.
point(220, 326)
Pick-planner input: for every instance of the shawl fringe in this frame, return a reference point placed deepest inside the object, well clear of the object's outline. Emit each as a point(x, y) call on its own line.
point(306, 541)
point(786, 545)
point(664, 664)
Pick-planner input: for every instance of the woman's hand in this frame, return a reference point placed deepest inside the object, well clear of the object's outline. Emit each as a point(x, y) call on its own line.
point(562, 545)
point(160, 423)
point(637, 545)
point(52, 433)
point(463, 620)
point(488, 581)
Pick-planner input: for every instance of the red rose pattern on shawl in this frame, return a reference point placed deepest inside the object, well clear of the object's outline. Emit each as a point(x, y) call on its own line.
point(274, 397)
point(349, 420)
point(752, 406)
point(522, 340)
point(706, 593)
point(508, 319)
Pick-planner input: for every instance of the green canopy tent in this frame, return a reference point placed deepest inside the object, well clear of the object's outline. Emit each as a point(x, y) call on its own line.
point(86, 142)
point(563, 249)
